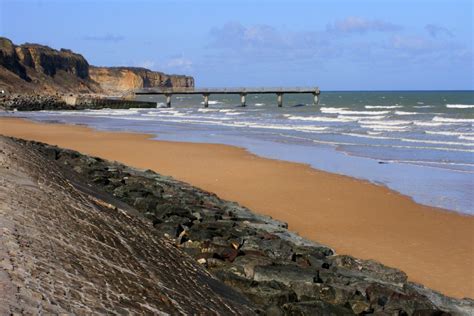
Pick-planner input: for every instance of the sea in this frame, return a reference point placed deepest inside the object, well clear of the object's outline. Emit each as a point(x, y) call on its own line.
point(418, 143)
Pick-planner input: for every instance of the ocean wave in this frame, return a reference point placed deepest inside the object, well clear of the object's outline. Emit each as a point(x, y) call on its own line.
point(208, 110)
point(408, 140)
point(423, 106)
point(471, 138)
point(318, 118)
point(406, 113)
point(385, 128)
point(213, 102)
point(451, 120)
point(431, 124)
point(383, 106)
point(356, 118)
point(450, 133)
point(460, 106)
point(234, 113)
point(346, 111)
point(386, 123)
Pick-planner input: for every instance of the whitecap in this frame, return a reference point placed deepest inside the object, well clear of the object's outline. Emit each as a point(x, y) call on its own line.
point(386, 123)
point(318, 118)
point(346, 111)
point(213, 102)
point(451, 120)
point(460, 106)
point(383, 106)
point(450, 133)
point(405, 113)
point(234, 113)
point(385, 128)
point(208, 110)
point(423, 106)
point(466, 137)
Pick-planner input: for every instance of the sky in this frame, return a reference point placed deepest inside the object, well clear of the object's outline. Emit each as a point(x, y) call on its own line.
point(333, 44)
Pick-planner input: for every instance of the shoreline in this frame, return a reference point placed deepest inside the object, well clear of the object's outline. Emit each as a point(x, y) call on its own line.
point(433, 246)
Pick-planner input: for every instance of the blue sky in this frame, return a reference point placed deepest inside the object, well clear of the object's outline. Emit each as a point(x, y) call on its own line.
point(337, 45)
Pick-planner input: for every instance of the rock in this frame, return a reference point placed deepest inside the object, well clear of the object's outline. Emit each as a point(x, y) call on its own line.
point(316, 308)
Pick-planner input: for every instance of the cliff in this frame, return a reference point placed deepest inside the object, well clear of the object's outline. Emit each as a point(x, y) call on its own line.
point(34, 68)
point(122, 79)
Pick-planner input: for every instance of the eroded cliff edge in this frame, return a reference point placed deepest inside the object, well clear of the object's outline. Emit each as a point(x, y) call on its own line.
point(33, 68)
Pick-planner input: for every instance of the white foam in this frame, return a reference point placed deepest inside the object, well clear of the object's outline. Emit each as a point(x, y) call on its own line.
point(234, 113)
point(346, 111)
point(385, 128)
point(356, 118)
point(383, 106)
point(409, 140)
point(405, 113)
point(386, 123)
point(420, 102)
point(208, 110)
point(450, 133)
point(318, 118)
point(212, 102)
point(460, 106)
point(466, 137)
point(451, 120)
point(431, 124)
point(423, 106)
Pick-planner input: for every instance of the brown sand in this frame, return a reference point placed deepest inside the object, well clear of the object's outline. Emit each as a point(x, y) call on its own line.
point(434, 247)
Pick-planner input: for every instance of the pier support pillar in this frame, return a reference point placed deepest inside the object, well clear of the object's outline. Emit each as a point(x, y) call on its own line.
point(315, 99)
point(168, 100)
point(242, 98)
point(206, 100)
point(280, 99)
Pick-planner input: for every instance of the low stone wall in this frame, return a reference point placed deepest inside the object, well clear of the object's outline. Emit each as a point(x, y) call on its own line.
point(82, 103)
point(58, 102)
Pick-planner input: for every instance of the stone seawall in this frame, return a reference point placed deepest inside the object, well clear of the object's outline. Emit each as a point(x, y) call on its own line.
point(57, 102)
point(278, 271)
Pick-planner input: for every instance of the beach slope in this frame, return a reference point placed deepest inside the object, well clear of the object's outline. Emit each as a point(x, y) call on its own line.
point(433, 246)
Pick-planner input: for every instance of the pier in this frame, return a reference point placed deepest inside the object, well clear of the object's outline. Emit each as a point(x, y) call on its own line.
point(243, 92)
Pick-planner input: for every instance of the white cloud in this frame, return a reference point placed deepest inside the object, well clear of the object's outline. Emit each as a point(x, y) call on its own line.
point(355, 24)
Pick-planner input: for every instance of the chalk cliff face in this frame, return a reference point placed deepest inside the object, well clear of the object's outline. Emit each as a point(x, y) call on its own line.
point(40, 69)
point(122, 79)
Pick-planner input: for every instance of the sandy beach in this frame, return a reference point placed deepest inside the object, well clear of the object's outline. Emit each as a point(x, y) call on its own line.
point(433, 246)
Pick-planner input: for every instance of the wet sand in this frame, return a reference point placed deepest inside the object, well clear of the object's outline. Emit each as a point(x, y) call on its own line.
point(434, 247)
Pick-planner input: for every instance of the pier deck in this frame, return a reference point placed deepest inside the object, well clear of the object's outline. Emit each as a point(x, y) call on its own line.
point(206, 92)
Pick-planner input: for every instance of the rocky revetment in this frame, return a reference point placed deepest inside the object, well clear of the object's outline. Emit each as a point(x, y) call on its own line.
point(82, 234)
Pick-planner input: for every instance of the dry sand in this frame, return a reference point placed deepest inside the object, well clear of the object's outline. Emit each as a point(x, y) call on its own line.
point(434, 247)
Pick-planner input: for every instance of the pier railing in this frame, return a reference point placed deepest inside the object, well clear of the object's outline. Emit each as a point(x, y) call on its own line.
point(242, 91)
